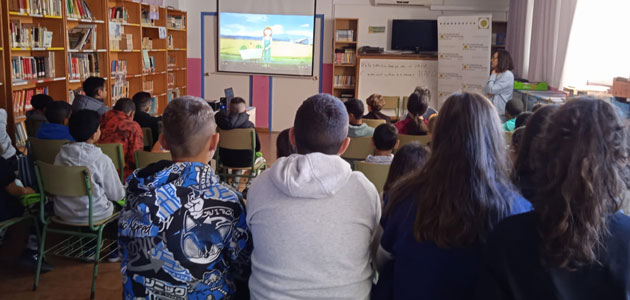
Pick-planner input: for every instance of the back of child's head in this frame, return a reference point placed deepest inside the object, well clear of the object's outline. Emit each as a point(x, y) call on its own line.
point(188, 125)
point(40, 101)
point(514, 108)
point(125, 105)
point(92, 85)
point(517, 136)
point(385, 137)
point(432, 120)
point(522, 118)
point(533, 128)
point(142, 100)
point(409, 158)
point(237, 105)
point(375, 102)
point(355, 108)
point(320, 125)
point(58, 111)
point(418, 101)
point(83, 124)
point(283, 144)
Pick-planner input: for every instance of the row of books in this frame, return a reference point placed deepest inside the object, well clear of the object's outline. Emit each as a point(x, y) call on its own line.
point(36, 7)
point(79, 9)
point(20, 134)
point(147, 43)
point(176, 22)
point(345, 35)
point(171, 61)
point(172, 94)
point(22, 99)
point(81, 36)
point(343, 80)
point(83, 65)
point(148, 17)
point(32, 67)
point(119, 66)
point(28, 35)
point(345, 56)
point(148, 62)
point(118, 13)
point(120, 90)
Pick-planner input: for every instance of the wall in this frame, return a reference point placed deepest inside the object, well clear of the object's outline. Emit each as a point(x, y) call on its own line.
point(276, 98)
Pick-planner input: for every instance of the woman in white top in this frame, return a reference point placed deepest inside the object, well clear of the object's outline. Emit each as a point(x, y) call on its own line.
point(500, 85)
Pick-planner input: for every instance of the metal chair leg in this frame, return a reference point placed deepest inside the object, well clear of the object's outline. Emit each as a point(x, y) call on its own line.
point(40, 257)
point(97, 257)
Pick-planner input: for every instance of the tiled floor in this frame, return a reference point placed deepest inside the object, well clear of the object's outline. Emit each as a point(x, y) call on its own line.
point(71, 279)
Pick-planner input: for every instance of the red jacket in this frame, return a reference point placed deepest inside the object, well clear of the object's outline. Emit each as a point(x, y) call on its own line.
point(117, 127)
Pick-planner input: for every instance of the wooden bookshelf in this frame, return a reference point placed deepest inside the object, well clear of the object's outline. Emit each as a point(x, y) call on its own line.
point(345, 37)
point(177, 41)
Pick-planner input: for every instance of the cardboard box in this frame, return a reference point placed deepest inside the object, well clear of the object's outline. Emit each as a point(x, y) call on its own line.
point(621, 87)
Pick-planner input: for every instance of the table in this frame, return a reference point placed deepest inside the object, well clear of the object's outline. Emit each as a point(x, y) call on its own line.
point(530, 98)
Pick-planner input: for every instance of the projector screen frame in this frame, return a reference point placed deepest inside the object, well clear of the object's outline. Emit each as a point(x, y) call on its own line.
point(218, 49)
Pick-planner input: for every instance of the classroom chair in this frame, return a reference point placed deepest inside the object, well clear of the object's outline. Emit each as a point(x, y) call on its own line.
point(32, 126)
point(374, 122)
point(115, 153)
point(83, 241)
point(44, 150)
point(375, 173)
point(392, 102)
point(403, 109)
point(147, 136)
point(359, 148)
point(407, 139)
point(145, 158)
point(239, 139)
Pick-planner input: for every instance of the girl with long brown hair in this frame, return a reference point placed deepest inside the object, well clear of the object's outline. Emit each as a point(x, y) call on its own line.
point(576, 243)
point(435, 220)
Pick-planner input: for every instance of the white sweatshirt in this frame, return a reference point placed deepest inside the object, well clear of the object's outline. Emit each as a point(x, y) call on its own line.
point(312, 221)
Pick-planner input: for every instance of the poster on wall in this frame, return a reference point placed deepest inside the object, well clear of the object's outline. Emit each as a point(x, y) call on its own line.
point(463, 54)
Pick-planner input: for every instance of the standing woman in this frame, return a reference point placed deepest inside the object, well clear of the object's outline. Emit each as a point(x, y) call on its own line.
point(500, 85)
point(436, 219)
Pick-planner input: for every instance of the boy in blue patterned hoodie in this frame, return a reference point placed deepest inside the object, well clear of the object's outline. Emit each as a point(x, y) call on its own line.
point(182, 233)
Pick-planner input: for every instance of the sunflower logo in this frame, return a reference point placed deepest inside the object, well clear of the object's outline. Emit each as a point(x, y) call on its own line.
point(484, 23)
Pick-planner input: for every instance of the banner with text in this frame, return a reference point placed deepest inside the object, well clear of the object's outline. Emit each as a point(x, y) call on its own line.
point(463, 54)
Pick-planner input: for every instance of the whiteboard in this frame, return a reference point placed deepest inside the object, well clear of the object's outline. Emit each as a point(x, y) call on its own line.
point(397, 77)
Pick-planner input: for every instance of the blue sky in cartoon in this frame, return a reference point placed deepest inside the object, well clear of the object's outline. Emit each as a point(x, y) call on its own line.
point(252, 25)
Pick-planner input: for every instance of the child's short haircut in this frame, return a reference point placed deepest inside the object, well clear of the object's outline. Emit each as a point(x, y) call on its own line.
point(517, 136)
point(385, 137)
point(418, 101)
point(234, 104)
point(355, 107)
point(142, 100)
point(320, 125)
point(125, 105)
point(58, 111)
point(376, 102)
point(40, 101)
point(283, 145)
point(188, 125)
point(92, 84)
point(514, 107)
point(522, 118)
point(83, 124)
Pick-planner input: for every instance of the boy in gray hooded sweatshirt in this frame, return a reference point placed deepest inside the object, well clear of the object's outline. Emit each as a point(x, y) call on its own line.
point(312, 218)
point(106, 185)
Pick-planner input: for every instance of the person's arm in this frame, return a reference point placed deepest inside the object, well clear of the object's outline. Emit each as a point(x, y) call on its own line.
point(17, 191)
point(135, 143)
point(496, 84)
point(112, 186)
point(241, 247)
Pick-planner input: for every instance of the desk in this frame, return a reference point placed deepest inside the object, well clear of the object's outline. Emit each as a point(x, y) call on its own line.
point(530, 98)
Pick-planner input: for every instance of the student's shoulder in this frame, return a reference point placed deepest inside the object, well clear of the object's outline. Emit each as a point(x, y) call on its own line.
point(364, 186)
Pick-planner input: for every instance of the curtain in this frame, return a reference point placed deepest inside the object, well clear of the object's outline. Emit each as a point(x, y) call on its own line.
point(551, 28)
point(516, 35)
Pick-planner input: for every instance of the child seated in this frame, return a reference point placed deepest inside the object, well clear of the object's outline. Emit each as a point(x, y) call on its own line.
point(283, 145)
point(236, 117)
point(355, 114)
point(118, 126)
point(512, 109)
point(408, 159)
point(106, 185)
point(417, 106)
point(36, 116)
point(57, 114)
point(522, 118)
point(95, 93)
point(142, 116)
point(385, 140)
point(375, 103)
point(191, 226)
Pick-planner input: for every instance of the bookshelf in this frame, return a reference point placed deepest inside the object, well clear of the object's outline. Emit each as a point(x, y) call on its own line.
point(177, 75)
point(344, 57)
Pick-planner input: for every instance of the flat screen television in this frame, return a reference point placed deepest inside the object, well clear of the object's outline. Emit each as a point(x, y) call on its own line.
point(415, 35)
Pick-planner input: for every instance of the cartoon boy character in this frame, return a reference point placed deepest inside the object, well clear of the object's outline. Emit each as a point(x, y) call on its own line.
point(266, 41)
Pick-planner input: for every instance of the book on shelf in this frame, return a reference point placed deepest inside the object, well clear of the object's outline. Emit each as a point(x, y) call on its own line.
point(344, 35)
point(22, 99)
point(176, 22)
point(147, 43)
point(79, 9)
point(345, 56)
point(20, 134)
point(119, 67)
point(154, 106)
point(36, 7)
point(118, 14)
point(148, 62)
point(26, 35)
point(83, 65)
point(148, 16)
point(344, 80)
point(147, 86)
point(171, 61)
point(170, 79)
point(82, 35)
point(32, 67)
point(169, 42)
point(172, 94)
point(120, 90)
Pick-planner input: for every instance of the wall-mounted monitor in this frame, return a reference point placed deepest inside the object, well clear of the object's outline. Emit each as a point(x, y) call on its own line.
point(415, 35)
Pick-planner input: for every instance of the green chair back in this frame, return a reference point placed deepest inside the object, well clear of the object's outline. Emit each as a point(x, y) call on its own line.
point(63, 180)
point(115, 153)
point(392, 102)
point(145, 158)
point(373, 122)
point(376, 173)
point(147, 136)
point(403, 108)
point(407, 139)
point(238, 139)
point(359, 148)
point(45, 150)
